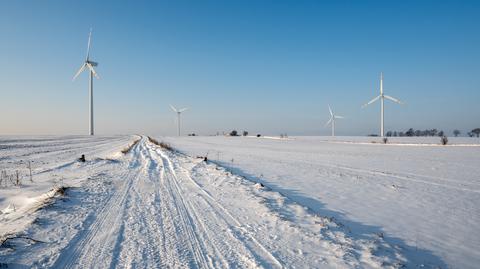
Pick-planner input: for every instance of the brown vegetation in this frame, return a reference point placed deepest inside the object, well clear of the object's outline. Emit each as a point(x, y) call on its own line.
point(129, 147)
point(162, 144)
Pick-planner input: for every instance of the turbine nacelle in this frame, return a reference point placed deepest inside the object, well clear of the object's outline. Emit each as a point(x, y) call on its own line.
point(382, 95)
point(333, 117)
point(88, 64)
point(178, 110)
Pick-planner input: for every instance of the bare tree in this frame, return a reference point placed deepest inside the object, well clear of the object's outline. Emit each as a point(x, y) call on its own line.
point(456, 132)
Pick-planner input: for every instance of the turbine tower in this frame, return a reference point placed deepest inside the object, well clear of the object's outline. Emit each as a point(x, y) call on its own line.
point(382, 98)
point(332, 120)
point(89, 64)
point(178, 111)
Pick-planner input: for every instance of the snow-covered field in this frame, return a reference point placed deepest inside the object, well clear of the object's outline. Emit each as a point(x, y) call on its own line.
point(321, 203)
point(420, 196)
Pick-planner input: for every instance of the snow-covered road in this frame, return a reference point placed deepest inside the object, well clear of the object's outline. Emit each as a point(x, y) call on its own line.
point(149, 222)
point(153, 208)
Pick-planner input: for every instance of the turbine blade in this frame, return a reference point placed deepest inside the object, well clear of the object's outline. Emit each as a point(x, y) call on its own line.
point(328, 122)
point(329, 109)
point(339, 117)
point(88, 46)
point(93, 70)
point(371, 101)
point(394, 99)
point(79, 71)
point(173, 108)
point(183, 109)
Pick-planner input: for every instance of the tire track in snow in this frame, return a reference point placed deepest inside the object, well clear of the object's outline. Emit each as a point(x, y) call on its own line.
point(214, 251)
point(187, 226)
point(140, 221)
point(238, 232)
point(90, 247)
point(160, 174)
point(408, 177)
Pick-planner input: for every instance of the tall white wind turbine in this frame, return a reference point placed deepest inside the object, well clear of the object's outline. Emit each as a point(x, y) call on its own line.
point(178, 111)
point(89, 65)
point(382, 97)
point(332, 120)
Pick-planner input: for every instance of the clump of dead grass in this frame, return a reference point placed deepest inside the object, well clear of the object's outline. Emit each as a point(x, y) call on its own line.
point(162, 144)
point(129, 147)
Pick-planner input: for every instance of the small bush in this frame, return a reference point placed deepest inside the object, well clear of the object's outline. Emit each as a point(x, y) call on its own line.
point(385, 140)
point(259, 135)
point(444, 140)
point(61, 191)
point(234, 133)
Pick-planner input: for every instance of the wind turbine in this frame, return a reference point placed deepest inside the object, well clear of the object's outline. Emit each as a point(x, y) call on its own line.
point(178, 111)
point(89, 64)
point(382, 97)
point(332, 120)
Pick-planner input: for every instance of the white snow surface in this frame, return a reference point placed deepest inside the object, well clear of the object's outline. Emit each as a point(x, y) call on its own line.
point(422, 198)
point(264, 203)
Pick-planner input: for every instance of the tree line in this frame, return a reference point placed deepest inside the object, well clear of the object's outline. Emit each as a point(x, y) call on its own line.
point(431, 132)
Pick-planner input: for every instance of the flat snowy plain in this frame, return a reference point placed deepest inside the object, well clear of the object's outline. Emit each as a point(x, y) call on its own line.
point(343, 203)
point(421, 197)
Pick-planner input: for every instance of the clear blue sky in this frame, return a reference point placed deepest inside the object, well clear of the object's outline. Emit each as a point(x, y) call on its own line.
point(263, 66)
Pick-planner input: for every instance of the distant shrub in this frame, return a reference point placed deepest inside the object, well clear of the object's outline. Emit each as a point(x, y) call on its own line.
point(259, 135)
point(234, 133)
point(245, 133)
point(476, 132)
point(385, 140)
point(444, 140)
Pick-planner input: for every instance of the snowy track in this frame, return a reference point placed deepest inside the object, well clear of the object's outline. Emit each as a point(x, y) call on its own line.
point(152, 221)
point(153, 208)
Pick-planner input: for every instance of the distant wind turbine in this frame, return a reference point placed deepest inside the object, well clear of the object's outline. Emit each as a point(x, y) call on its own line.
point(89, 64)
point(332, 120)
point(178, 111)
point(382, 97)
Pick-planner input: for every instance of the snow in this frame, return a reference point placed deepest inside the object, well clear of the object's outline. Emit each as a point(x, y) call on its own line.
point(421, 196)
point(301, 202)
point(48, 157)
